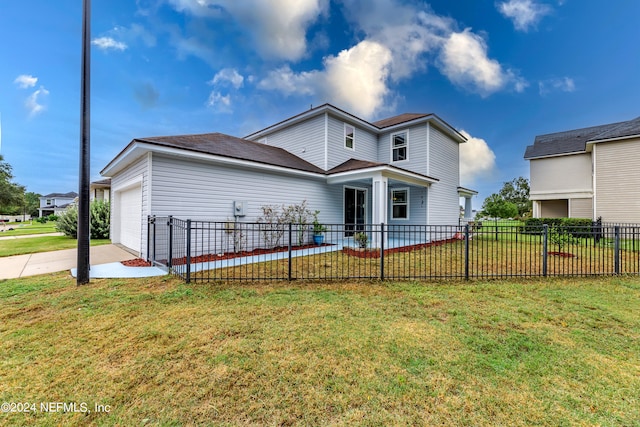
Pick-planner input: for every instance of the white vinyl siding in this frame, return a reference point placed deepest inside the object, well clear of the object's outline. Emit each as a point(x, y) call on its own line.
point(444, 203)
point(305, 140)
point(562, 176)
point(581, 208)
point(205, 191)
point(365, 144)
point(618, 180)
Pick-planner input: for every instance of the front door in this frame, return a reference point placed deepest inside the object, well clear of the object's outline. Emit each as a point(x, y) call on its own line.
point(354, 210)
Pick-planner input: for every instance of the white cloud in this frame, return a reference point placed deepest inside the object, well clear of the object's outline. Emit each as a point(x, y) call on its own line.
point(228, 76)
point(525, 14)
point(278, 27)
point(465, 62)
point(562, 84)
point(355, 79)
point(106, 43)
point(25, 81)
point(33, 102)
point(220, 103)
point(476, 159)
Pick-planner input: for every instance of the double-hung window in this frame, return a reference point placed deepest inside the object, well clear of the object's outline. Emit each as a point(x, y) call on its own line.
point(400, 203)
point(349, 136)
point(399, 146)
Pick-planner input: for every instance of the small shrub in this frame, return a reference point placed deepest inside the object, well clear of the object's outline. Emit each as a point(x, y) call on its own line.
point(52, 218)
point(99, 225)
point(361, 239)
point(42, 220)
point(67, 222)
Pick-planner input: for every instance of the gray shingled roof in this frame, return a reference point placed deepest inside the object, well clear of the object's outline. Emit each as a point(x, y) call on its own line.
point(401, 118)
point(355, 164)
point(575, 141)
point(69, 195)
point(229, 146)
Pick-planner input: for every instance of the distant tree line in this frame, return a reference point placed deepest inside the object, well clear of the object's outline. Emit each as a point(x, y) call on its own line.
point(14, 199)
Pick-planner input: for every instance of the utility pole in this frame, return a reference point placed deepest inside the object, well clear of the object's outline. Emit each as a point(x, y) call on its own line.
point(82, 276)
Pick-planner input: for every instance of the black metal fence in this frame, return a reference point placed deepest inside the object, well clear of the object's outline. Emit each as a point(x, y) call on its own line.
point(230, 250)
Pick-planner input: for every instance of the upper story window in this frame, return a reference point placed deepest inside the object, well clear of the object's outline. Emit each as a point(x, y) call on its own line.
point(49, 202)
point(349, 136)
point(400, 203)
point(399, 144)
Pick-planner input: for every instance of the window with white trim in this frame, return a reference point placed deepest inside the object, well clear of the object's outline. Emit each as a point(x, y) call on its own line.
point(399, 145)
point(349, 136)
point(400, 203)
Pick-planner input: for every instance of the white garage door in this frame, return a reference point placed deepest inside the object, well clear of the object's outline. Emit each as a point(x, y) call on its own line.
point(130, 218)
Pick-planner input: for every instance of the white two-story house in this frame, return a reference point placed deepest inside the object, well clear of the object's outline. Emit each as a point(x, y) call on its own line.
point(55, 203)
point(401, 170)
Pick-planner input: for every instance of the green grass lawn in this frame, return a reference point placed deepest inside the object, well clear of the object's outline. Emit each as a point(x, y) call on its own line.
point(41, 244)
point(24, 228)
point(159, 352)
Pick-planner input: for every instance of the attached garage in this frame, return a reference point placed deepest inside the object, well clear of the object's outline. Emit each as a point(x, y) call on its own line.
point(127, 217)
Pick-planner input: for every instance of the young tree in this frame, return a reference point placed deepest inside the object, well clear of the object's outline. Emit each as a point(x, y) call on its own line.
point(495, 206)
point(516, 191)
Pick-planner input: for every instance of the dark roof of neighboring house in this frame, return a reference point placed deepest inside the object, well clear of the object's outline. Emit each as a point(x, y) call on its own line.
point(355, 164)
point(69, 195)
point(229, 146)
point(575, 141)
point(102, 182)
point(395, 120)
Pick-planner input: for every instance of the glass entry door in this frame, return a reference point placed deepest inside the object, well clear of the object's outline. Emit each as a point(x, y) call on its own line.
point(354, 210)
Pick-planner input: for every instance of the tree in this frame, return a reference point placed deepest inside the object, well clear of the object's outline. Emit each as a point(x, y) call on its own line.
point(31, 203)
point(11, 194)
point(517, 192)
point(495, 206)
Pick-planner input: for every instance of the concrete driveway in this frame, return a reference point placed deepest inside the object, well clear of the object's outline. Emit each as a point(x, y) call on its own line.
point(17, 266)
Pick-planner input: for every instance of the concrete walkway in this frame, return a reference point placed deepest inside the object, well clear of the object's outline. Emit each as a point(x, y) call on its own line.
point(17, 266)
point(28, 236)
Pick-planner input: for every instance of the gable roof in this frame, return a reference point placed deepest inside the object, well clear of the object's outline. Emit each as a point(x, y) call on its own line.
point(219, 144)
point(375, 127)
point(69, 195)
point(396, 120)
point(576, 141)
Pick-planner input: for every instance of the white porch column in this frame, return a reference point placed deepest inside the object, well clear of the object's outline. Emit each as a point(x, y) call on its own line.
point(379, 210)
point(468, 211)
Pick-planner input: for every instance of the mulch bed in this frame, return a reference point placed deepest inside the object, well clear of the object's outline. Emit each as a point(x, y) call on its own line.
point(136, 262)
point(375, 253)
point(231, 255)
point(562, 254)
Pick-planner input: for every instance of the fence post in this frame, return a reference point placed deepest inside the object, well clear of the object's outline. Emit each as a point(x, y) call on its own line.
point(382, 251)
point(466, 252)
point(616, 249)
point(170, 256)
point(289, 247)
point(188, 251)
point(545, 255)
point(155, 238)
point(148, 237)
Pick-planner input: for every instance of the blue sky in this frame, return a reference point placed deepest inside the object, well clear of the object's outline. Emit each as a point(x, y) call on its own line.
point(503, 71)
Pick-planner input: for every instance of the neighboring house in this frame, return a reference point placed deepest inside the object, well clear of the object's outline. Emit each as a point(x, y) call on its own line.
point(101, 190)
point(587, 173)
point(402, 170)
point(56, 203)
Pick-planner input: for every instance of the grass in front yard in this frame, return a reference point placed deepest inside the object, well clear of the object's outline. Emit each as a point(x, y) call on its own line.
point(41, 244)
point(159, 352)
point(25, 228)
